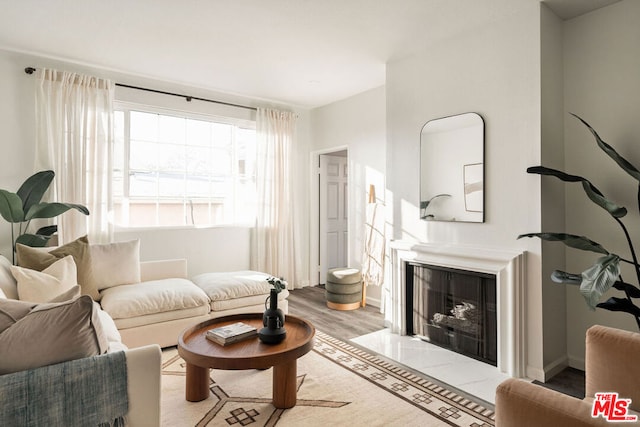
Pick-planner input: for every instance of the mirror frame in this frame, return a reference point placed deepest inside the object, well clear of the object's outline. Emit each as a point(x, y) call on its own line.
point(470, 173)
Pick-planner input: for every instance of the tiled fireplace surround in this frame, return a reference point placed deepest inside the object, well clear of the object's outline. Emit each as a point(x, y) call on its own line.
point(509, 270)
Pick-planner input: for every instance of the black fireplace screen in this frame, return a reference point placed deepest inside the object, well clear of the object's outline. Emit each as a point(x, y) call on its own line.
point(455, 309)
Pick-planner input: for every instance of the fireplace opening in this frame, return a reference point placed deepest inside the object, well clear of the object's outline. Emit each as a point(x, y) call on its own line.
point(454, 309)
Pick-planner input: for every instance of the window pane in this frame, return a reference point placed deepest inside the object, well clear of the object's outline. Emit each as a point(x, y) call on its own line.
point(143, 184)
point(143, 155)
point(170, 184)
point(198, 133)
point(182, 171)
point(171, 129)
point(144, 126)
point(170, 157)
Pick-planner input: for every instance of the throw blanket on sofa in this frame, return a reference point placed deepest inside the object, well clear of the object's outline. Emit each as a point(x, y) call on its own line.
point(91, 392)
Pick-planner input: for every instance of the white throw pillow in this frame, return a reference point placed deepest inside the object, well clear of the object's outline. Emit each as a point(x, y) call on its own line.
point(115, 264)
point(46, 285)
point(7, 282)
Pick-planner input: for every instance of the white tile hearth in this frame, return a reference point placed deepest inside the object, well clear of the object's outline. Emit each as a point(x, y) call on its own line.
point(464, 373)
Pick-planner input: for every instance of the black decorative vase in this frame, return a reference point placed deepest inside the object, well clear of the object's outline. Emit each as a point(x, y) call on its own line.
point(273, 321)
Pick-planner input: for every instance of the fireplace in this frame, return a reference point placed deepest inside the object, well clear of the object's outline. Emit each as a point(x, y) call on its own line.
point(454, 309)
point(508, 269)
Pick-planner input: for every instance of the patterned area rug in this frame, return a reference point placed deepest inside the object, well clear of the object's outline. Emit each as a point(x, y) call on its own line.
point(338, 384)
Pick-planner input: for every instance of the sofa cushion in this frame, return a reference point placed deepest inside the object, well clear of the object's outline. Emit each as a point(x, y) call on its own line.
point(231, 304)
point(69, 330)
point(231, 285)
point(45, 285)
point(41, 258)
point(115, 264)
point(161, 317)
point(8, 286)
point(155, 296)
point(13, 310)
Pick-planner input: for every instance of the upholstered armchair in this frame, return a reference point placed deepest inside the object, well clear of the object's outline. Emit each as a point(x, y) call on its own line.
point(612, 364)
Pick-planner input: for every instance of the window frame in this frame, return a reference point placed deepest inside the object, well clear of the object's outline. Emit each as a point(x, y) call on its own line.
point(127, 107)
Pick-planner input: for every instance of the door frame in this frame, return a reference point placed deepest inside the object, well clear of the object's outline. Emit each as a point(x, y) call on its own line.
point(314, 211)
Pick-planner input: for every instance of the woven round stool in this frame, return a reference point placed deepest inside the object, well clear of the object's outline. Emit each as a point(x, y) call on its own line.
point(343, 289)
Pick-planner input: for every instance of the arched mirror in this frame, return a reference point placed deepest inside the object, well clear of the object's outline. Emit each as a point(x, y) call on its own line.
point(452, 169)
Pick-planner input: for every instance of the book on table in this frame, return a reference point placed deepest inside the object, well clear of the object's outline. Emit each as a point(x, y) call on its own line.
point(231, 333)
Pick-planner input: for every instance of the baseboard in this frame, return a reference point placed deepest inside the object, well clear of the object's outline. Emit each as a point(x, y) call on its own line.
point(375, 302)
point(576, 362)
point(555, 367)
point(535, 373)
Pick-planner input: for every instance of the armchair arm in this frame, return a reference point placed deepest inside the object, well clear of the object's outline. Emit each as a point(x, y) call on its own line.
point(611, 363)
point(523, 404)
point(163, 269)
point(143, 383)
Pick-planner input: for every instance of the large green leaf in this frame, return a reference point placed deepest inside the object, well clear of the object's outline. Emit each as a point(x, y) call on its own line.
point(592, 192)
point(571, 240)
point(47, 230)
point(11, 207)
point(52, 210)
point(32, 190)
point(611, 152)
point(599, 278)
point(33, 240)
point(620, 304)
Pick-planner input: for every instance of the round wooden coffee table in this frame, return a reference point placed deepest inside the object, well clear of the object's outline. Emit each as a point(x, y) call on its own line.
point(201, 354)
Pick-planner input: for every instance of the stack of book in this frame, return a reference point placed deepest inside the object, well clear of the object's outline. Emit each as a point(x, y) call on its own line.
point(231, 333)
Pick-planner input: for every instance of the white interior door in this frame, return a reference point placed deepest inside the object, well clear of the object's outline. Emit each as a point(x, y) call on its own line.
point(334, 236)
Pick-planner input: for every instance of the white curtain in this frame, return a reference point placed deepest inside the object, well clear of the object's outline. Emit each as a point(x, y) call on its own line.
point(273, 243)
point(74, 133)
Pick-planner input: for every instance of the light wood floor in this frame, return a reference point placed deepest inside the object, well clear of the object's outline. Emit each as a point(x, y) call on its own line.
point(310, 304)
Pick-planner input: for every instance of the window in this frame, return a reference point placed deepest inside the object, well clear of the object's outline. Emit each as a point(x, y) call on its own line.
point(177, 169)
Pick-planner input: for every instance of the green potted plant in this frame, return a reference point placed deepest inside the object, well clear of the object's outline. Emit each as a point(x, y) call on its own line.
point(605, 272)
point(20, 208)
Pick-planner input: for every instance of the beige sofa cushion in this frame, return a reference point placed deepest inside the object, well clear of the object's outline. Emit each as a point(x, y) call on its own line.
point(49, 333)
point(115, 264)
point(156, 296)
point(231, 304)
point(231, 285)
point(164, 316)
point(45, 285)
point(8, 286)
point(39, 259)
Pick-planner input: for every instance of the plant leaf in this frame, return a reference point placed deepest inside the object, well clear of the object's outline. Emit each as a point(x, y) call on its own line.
point(52, 210)
point(33, 240)
point(32, 190)
point(559, 276)
point(611, 152)
point(48, 230)
point(599, 278)
point(571, 240)
point(11, 207)
point(627, 288)
point(592, 192)
point(620, 304)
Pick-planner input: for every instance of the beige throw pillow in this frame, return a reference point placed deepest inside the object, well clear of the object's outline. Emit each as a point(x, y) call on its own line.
point(45, 285)
point(39, 259)
point(7, 282)
point(115, 264)
point(51, 333)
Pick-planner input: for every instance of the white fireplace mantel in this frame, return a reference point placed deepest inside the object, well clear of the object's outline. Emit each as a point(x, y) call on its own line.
point(507, 266)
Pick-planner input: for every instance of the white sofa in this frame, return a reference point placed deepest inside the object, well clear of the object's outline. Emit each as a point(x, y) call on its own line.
point(141, 317)
point(172, 302)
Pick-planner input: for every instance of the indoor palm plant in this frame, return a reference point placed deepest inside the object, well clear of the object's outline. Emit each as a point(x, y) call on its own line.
point(605, 273)
point(20, 208)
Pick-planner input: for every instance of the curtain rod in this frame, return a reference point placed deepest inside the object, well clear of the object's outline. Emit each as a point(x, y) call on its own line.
point(189, 98)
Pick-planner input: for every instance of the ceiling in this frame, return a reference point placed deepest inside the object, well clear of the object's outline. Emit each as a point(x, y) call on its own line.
point(305, 53)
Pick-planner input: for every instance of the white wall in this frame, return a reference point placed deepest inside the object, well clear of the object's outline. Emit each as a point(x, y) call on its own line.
point(602, 85)
point(357, 124)
point(207, 249)
point(494, 71)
